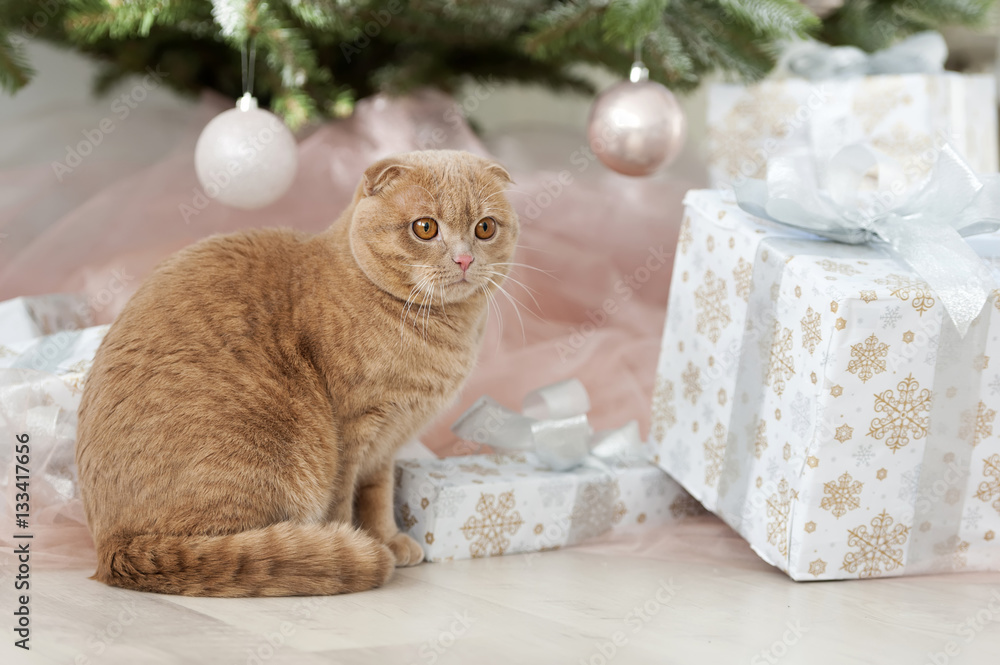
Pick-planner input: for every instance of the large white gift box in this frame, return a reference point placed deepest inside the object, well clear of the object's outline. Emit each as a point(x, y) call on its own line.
point(906, 116)
point(487, 505)
point(816, 396)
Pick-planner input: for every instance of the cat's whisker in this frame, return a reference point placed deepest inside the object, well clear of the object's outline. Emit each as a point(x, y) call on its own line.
point(443, 310)
point(514, 303)
point(524, 286)
point(547, 273)
point(414, 292)
point(490, 304)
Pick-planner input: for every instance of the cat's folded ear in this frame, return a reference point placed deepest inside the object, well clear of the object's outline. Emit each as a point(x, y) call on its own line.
point(381, 173)
point(500, 172)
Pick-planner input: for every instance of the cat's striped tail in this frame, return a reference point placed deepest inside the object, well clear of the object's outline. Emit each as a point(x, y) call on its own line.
point(284, 559)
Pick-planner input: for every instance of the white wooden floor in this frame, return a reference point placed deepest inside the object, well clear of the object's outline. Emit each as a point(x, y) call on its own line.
point(694, 593)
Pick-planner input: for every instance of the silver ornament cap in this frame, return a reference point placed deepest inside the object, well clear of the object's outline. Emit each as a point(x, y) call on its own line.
point(636, 126)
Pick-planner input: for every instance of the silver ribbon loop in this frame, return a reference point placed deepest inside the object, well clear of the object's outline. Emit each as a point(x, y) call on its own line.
point(923, 229)
point(554, 426)
point(922, 53)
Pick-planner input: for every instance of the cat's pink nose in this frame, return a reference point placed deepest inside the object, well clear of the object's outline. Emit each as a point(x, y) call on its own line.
point(464, 260)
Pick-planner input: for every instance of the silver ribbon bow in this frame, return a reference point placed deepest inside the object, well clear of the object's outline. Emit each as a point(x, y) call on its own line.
point(552, 424)
point(924, 229)
point(922, 53)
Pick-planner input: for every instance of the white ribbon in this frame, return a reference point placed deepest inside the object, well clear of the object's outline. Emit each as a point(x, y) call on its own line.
point(924, 229)
point(922, 53)
point(552, 424)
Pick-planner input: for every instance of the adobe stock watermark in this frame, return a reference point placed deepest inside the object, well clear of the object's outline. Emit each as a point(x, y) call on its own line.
point(625, 289)
point(270, 642)
point(32, 24)
point(121, 107)
point(431, 651)
point(219, 179)
point(98, 644)
point(794, 630)
point(819, 96)
point(430, 138)
point(968, 630)
point(636, 619)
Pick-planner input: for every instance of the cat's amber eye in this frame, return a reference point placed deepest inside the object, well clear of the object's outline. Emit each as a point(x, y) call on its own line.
point(486, 228)
point(425, 228)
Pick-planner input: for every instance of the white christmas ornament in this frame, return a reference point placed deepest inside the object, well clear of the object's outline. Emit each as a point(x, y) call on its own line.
point(246, 157)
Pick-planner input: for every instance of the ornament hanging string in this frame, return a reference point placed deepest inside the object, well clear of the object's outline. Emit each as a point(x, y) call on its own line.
point(247, 65)
point(246, 157)
point(636, 126)
point(639, 71)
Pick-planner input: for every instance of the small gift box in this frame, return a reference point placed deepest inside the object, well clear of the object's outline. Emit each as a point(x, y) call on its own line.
point(488, 505)
point(900, 100)
point(836, 403)
point(557, 482)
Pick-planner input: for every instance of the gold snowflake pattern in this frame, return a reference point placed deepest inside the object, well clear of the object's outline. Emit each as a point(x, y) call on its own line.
point(4, 351)
point(954, 548)
point(781, 366)
point(817, 567)
point(989, 489)
point(497, 520)
point(686, 237)
point(593, 512)
point(760, 441)
point(619, 513)
point(406, 519)
point(692, 383)
point(759, 115)
point(715, 453)
point(903, 287)
point(842, 495)
point(876, 549)
point(876, 98)
point(76, 375)
point(742, 275)
point(501, 459)
point(713, 310)
point(905, 414)
point(977, 426)
point(839, 268)
point(779, 506)
point(907, 148)
point(664, 413)
point(479, 469)
point(868, 296)
point(684, 505)
point(868, 358)
point(811, 332)
point(882, 473)
point(844, 433)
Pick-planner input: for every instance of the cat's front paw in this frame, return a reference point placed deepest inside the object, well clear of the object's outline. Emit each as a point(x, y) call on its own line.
point(406, 550)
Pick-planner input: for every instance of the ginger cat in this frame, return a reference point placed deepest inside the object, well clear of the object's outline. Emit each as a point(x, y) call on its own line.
point(238, 427)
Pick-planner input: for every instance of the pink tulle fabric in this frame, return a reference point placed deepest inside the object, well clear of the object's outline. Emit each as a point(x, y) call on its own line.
point(589, 303)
